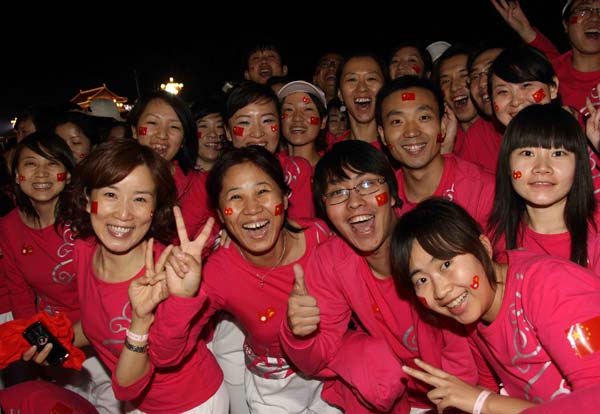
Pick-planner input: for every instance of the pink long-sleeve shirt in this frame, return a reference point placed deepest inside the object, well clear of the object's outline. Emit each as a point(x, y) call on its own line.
point(106, 314)
point(40, 273)
point(481, 145)
point(344, 285)
point(543, 342)
point(298, 173)
point(463, 182)
point(193, 200)
point(231, 283)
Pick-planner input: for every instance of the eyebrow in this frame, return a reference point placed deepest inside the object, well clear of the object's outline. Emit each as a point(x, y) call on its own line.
point(400, 112)
point(255, 185)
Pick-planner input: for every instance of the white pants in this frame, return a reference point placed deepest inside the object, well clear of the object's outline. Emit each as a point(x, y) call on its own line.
point(94, 383)
point(217, 404)
point(227, 347)
point(291, 395)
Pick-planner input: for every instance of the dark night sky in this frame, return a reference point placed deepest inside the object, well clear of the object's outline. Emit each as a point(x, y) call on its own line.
point(53, 67)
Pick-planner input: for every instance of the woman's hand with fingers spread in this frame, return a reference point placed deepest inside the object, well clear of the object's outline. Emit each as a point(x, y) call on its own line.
point(184, 264)
point(146, 292)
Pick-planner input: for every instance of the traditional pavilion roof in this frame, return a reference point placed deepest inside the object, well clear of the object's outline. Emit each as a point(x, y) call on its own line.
point(85, 97)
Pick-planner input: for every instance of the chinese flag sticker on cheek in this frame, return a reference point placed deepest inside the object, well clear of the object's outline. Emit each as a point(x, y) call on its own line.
point(408, 96)
point(199, 134)
point(539, 95)
point(381, 198)
point(22, 178)
point(279, 209)
point(62, 176)
point(314, 120)
point(238, 131)
point(142, 130)
point(584, 337)
point(94, 208)
point(423, 301)
point(274, 128)
point(228, 211)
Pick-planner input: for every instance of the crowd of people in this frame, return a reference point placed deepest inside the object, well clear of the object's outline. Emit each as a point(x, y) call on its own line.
point(404, 236)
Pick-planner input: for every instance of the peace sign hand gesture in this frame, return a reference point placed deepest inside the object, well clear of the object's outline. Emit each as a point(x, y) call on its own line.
point(146, 292)
point(184, 264)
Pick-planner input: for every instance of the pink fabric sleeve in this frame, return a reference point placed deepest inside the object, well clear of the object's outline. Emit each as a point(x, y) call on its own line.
point(569, 301)
point(544, 44)
point(313, 353)
point(582, 401)
point(21, 295)
point(134, 390)
point(376, 375)
point(174, 333)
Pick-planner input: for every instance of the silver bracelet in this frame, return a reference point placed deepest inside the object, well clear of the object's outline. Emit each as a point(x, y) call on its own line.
point(135, 348)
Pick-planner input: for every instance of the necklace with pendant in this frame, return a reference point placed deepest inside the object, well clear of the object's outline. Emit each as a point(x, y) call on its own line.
point(262, 277)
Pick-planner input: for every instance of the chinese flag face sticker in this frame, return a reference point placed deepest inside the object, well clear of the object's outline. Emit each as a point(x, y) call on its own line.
point(306, 99)
point(423, 301)
point(61, 176)
point(408, 96)
point(142, 130)
point(228, 211)
point(199, 134)
point(382, 198)
point(22, 177)
point(238, 131)
point(417, 69)
point(94, 207)
point(274, 128)
point(517, 174)
point(539, 95)
point(279, 209)
point(314, 120)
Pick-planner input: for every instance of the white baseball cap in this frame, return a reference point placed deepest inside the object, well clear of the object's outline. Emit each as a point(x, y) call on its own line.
point(301, 86)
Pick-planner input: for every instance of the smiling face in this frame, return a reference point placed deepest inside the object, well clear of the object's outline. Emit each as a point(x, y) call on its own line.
point(411, 125)
point(160, 128)
point(263, 64)
point(325, 73)
point(41, 179)
point(543, 177)
point(453, 82)
point(300, 119)
point(365, 222)
point(211, 136)
point(456, 287)
point(360, 81)
point(478, 80)
point(584, 31)
point(255, 124)
point(252, 206)
point(509, 99)
point(121, 213)
point(406, 61)
point(75, 138)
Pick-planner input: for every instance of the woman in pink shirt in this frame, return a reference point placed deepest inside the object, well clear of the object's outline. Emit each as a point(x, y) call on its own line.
point(163, 122)
point(38, 252)
point(251, 280)
point(544, 198)
point(120, 202)
point(534, 319)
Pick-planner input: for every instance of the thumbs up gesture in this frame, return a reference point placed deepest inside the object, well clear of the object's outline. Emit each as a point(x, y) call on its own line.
point(303, 312)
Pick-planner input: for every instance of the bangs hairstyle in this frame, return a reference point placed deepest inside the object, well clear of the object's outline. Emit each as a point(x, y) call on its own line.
point(246, 93)
point(255, 154)
point(522, 63)
point(186, 155)
point(111, 162)
point(544, 126)
point(355, 156)
point(50, 146)
point(444, 230)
